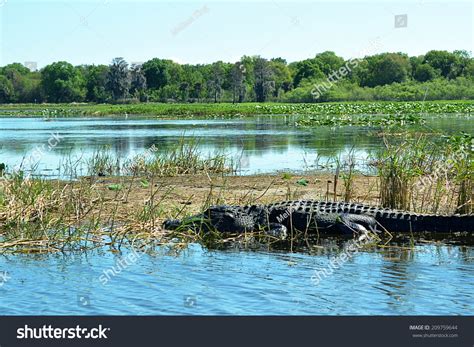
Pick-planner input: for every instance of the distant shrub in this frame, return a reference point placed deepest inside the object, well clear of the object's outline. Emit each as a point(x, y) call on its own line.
point(461, 88)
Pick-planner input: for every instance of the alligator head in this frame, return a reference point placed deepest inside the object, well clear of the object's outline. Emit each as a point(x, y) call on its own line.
point(228, 219)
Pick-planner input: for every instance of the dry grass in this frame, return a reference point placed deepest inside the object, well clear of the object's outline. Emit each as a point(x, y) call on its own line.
point(55, 216)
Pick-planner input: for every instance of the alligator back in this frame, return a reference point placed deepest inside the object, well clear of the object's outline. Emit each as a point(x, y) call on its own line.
point(390, 219)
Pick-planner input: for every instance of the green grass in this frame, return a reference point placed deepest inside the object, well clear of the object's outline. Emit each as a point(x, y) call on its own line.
point(417, 173)
point(238, 110)
point(184, 158)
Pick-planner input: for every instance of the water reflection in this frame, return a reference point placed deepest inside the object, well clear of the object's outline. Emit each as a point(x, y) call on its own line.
point(268, 143)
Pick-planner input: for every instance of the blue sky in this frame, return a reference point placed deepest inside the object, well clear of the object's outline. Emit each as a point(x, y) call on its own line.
point(95, 31)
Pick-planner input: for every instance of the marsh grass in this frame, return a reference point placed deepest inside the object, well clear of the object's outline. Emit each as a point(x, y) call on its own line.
point(343, 169)
point(463, 167)
point(187, 158)
point(346, 170)
point(423, 175)
point(184, 158)
point(40, 216)
point(103, 162)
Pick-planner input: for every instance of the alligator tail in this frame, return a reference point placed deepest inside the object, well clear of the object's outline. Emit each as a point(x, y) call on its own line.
point(411, 222)
point(401, 221)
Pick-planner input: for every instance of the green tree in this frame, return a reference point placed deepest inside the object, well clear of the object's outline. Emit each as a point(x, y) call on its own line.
point(190, 82)
point(215, 80)
point(62, 82)
point(264, 79)
point(119, 79)
point(306, 69)
point(386, 68)
point(469, 70)
point(282, 75)
point(96, 81)
point(328, 62)
point(443, 61)
point(6, 90)
point(18, 75)
point(157, 72)
point(424, 72)
point(138, 82)
point(10, 69)
point(237, 79)
point(197, 90)
point(463, 62)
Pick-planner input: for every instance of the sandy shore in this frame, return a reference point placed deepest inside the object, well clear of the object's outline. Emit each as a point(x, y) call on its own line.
point(189, 194)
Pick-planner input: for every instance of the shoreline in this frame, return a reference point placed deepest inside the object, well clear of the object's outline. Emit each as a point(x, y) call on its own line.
point(63, 216)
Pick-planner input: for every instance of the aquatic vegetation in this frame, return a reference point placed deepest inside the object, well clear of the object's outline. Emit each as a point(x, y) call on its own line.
point(222, 110)
point(103, 162)
point(185, 157)
point(361, 108)
point(360, 120)
point(346, 170)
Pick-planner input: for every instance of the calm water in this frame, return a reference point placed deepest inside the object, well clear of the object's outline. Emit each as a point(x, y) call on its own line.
point(262, 144)
point(433, 280)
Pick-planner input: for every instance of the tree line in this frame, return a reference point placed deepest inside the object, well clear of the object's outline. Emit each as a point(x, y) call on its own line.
point(253, 78)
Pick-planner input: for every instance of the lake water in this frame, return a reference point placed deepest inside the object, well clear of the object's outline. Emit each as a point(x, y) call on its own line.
point(432, 279)
point(261, 144)
point(429, 280)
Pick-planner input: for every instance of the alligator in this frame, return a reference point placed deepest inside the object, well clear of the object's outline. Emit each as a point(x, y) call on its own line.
point(319, 217)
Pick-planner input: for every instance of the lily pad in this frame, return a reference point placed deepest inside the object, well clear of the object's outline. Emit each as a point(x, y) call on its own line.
point(302, 182)
point(115, 187)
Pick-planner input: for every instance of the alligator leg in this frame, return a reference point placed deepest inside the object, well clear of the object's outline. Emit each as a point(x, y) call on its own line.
point(357, 224)
point(352, 228)
point(277, 230)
